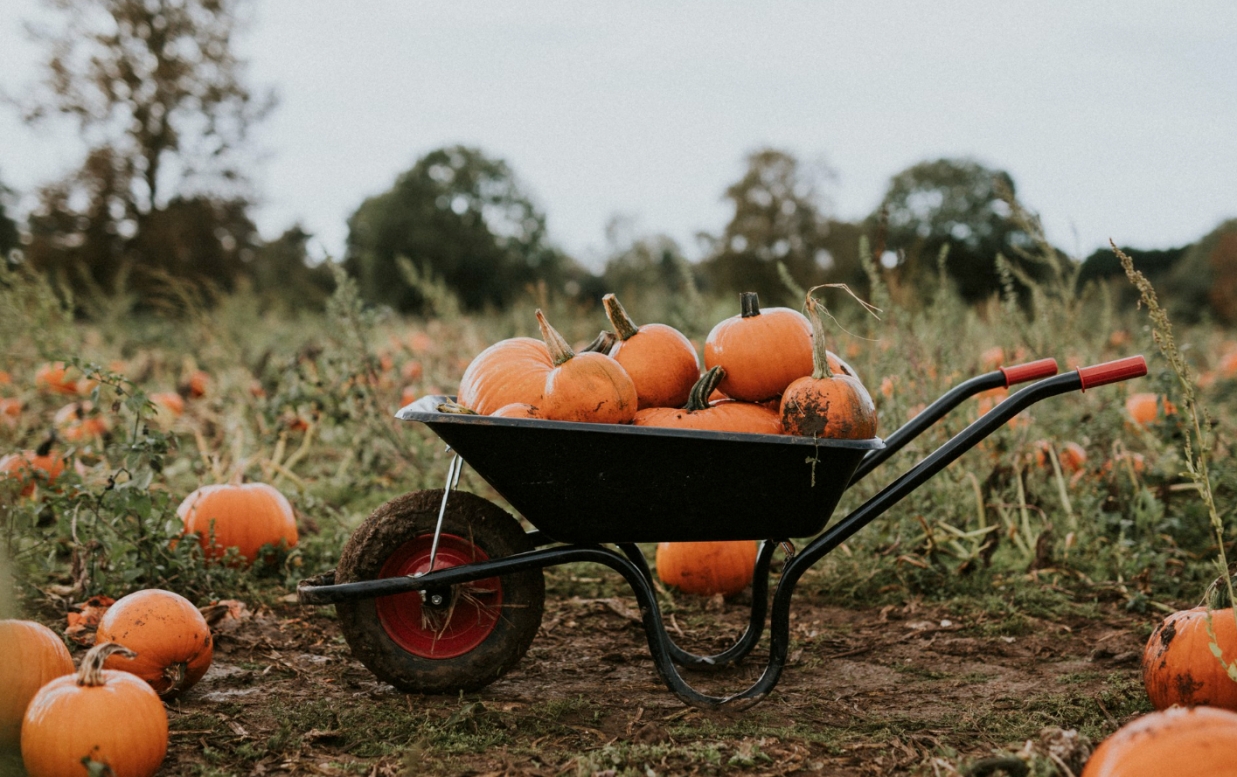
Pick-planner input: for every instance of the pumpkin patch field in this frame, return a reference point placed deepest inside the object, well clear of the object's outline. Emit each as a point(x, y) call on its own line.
point(167, 480)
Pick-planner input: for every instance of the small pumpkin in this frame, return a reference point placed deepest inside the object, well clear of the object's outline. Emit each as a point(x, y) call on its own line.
point(196, 385)
point(30, 468)
point(707, 568)
point(827, 403)
point(10, 409)
point(722, 415)
point(79, 421)
point(1178, 666)
point(1071, 455)
point(31, 656)
point(588, 386)
point(169, 402)
point(99, 715)
point(1199, 742)
point(244, 516)
point(508, 371)
point(168, 634)
point(56, 378)
point(659, 358)
point(762, 351)
point(1145, 407)
point(517, 410)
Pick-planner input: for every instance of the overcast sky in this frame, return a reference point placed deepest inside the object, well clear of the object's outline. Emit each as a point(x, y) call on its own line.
point(1115, 119)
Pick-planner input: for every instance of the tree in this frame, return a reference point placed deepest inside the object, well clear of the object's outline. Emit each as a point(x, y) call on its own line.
point(778, 217)
point(9, 237)
point(159, 98)
point(1205, 278)
point(282, 272)
point(961, 204)
point(458, 215)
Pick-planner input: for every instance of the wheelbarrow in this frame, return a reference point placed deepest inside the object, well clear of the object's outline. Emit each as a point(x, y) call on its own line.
point(441, 591)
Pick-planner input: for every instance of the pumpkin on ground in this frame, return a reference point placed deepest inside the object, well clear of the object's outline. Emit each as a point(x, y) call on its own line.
point(707, 568)
point(1178, 666)
point(29, 468)
point(512, 370)
point(1145, 407)
point(79, 421)
point(168, 402)
point(244, 517)
point(659, 358)
point(588, 386)
point(1071, 456)
point(56, 378)
point(99, 715)
point(10, 409)
point(722, 415)
point(827, 403)
point(1199, 742)
point(168, 634)
point(31, 656)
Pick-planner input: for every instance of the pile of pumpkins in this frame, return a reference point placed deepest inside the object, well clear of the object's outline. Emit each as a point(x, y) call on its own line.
point(150, 645)
point(766, 372)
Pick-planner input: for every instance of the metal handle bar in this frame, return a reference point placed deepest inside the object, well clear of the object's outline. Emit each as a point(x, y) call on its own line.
point(1002, 377)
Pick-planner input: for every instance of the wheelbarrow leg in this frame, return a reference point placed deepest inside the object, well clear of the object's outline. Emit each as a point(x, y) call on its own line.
point(755, 624)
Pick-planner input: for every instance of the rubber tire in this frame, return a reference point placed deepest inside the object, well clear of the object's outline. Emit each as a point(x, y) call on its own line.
point(403, 519)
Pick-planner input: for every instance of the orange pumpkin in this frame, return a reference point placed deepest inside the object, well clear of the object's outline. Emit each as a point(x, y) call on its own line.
point(827, 403)
point(722, 415)
point(1178, 666)
point(168, 634)
point(55, 377)
point(1144, 407)
point(762, 351)
point(412, 370)
point(589, 386)
point(78, 421)
point(5, 378)
point(31, 656)
point(1199, 742)
point(660, 359)
point(516, 410)
point(32, 467)
point(197, 384)
point(1125, 462)
point(168, 402)
point(10, 409)
point(707, 568)
point(111, 718)
point(1071, 455)
point(244, 517)
point(508, 371)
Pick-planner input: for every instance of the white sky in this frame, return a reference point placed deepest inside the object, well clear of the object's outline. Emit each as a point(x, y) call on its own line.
point(1115, 119)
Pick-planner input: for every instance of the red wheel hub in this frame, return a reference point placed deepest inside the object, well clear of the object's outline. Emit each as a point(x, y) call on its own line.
point(468, 612)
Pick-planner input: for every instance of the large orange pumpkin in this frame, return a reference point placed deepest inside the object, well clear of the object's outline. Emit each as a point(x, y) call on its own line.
point(1178, 666)
point(32, 467)
point(660, 359)
point(762, 351)
point(169, 635)
point(588, 386)
point(707, 568)
point(244, 517)
point(1198, 742)
point(508, 371)
point(827, 403)
point(111, 718)
point(31, 656)
point(722, 415)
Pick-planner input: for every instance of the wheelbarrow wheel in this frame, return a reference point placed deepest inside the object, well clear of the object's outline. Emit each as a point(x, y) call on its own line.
point(458, 638)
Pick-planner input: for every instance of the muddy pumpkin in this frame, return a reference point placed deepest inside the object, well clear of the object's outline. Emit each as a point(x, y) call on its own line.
point(828, 403)
point(1178, 665)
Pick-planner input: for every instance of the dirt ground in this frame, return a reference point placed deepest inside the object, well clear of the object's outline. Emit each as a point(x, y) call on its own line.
point(900, 689)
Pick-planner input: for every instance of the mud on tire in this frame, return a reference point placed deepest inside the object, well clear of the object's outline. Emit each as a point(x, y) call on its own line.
point(474, 520)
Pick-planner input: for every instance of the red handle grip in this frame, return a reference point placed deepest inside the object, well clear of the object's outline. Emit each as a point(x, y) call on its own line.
point(1021, 373)
point(1112, 372)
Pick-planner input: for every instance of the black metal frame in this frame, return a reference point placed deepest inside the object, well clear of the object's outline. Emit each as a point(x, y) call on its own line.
point(630, 562)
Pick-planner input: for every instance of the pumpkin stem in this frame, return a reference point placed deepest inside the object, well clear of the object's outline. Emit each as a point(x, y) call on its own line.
point(698, 399)
point(45, 447)
point(622, 323)
point(820, 354)
point(175, 674)
point(749, 304)
point(602, 343)
point(560, 351)
point(454, 408)
point(91, 671)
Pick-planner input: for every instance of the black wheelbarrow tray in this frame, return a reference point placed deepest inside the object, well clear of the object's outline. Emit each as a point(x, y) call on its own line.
point(441, 591)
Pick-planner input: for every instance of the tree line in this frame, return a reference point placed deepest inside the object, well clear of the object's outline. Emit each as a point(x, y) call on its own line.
point(161, 199)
